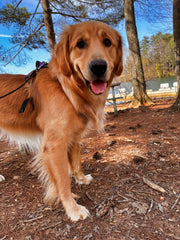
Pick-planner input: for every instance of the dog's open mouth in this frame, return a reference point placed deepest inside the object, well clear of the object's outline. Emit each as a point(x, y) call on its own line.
point(98, 86)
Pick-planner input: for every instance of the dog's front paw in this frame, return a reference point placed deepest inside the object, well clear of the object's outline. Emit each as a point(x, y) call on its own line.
point(2, 178)
point(85, 179)
point(80, 213)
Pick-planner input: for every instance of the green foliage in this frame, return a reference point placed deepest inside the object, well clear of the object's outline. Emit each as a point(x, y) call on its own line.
point(158, 55)
point(81, 10)
point(19, 18)
point(9, 14)
point(158, 70)
point(37, 40)
point(145, 43)
point(27, 34)
point(27, 27)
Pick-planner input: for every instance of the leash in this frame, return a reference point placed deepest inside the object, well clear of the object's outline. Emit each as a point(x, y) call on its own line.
point(7, 94)
point(32, 74)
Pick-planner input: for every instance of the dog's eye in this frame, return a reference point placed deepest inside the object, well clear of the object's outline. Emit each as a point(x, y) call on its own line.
point(81, 44)
point(107, 42)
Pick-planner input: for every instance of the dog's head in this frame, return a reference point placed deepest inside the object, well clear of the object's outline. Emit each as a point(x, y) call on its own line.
point(92, 51)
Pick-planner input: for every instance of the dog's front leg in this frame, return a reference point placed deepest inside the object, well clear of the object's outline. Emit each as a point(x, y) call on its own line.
point(55, 164)
point(75, 163)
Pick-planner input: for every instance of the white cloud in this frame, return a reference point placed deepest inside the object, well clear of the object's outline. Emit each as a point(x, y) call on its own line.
point(4, 35)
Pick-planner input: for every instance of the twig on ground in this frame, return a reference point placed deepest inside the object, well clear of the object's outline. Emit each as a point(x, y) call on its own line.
point(153, 185)
point(3, 237)
point(104, 207)
point(151, 206)
point(125, 198)
point(175, 202)
point(82, 194)
point(33, 219)
point(51, 226)
point(89, 197)
point(132, 197)
point(2, 178)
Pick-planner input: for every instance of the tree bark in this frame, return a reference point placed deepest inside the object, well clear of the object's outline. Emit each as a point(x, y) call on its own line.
point(49, 25)
point(138, 81)
point(176, 33)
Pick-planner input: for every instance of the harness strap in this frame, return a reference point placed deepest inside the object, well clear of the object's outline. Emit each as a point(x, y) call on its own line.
point(39, 65)
point(32, 74)
point(24, 104)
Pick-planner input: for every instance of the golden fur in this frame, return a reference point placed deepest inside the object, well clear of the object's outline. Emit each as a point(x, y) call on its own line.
point(63, 107)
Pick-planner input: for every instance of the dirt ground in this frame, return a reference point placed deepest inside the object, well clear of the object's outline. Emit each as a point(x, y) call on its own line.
point(135, 193)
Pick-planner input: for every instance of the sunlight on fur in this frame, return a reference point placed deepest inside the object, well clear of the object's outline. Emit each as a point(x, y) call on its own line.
point(67, 100)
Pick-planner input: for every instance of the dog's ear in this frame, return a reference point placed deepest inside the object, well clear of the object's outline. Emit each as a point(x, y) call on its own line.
point(60, 62)
point(119, 58)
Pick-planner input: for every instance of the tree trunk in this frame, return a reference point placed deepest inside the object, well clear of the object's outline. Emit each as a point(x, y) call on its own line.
point(49, 25)
point(176, 33)
point(138, 82)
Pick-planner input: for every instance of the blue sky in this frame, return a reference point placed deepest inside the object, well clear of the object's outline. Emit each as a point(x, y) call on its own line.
point(145, 26)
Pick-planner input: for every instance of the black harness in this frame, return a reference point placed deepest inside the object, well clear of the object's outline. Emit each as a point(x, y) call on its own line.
point(32, 74)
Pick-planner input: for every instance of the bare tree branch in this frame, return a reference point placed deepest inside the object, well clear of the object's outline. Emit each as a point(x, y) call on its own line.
point(34, 12)
point(25, 43)
point(94, 2)
point(63, 14)
point(17, 5)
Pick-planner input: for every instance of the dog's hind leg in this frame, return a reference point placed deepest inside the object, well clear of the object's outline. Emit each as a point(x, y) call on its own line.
point(75, 163)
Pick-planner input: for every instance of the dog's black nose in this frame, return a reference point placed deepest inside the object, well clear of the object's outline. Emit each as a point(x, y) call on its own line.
point(98, 67)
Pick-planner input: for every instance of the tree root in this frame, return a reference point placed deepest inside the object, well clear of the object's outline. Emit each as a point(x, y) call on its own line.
point(137, 103)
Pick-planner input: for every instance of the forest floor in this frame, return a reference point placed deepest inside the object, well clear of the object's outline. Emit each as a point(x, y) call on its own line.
point(135, 193)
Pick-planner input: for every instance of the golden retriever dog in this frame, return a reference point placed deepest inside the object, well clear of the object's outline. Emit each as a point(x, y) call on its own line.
point(66, 99)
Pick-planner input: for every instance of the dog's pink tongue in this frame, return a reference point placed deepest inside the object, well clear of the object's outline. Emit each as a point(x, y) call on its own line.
point(98, 87)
